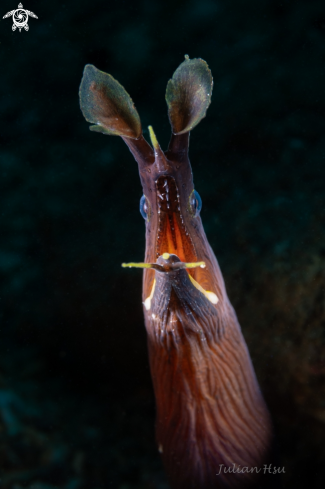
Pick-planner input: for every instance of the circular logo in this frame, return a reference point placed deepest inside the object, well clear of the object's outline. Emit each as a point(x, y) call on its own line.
point(20, 18)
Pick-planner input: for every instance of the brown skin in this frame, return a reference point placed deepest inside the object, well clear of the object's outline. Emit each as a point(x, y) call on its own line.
point(210, 411)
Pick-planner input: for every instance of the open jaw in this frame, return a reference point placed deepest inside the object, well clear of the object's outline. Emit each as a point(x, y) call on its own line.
point(172, 236)
point(174, 248)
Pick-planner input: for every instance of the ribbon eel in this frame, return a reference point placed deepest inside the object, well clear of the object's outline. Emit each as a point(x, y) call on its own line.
point(212, 420)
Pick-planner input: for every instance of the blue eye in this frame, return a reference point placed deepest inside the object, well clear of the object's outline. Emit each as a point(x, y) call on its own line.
point(144, 208)
point(195, 203)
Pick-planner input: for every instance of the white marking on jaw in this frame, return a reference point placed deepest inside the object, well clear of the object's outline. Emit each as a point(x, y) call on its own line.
point(147, 302)
point(211, 296)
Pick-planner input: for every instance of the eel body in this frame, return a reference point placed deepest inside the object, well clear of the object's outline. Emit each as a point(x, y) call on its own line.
point(213, 428)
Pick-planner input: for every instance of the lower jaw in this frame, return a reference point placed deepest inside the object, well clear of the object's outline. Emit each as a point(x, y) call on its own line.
point(173, 238)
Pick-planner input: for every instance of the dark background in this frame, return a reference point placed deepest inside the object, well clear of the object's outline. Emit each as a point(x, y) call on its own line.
point(76, 402)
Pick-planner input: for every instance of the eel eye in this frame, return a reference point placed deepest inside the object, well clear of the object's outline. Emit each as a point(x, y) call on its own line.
point(145, 208)
point(195, 203)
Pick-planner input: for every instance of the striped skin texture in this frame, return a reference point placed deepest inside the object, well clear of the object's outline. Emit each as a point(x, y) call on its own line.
point(210, 411)
point(209, 407)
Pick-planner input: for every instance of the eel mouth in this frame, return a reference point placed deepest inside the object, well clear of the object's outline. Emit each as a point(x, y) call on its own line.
point(172, 235)
point(174, 246)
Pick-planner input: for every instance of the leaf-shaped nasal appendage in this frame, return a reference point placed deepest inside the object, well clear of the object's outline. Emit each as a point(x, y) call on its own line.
point(106, 103)
point(188, 95)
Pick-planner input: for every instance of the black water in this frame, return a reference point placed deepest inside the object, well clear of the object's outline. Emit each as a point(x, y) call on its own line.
point(76, 404)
